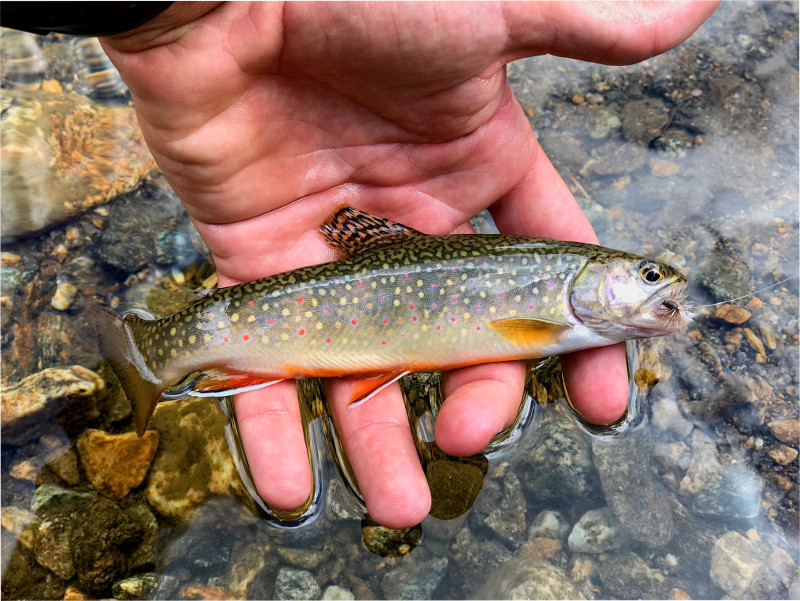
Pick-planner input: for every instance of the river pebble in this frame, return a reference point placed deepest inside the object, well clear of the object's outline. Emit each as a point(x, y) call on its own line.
point(735, 564)
point(732, 314)
point(597, 531)
point(787, 431)
point(116, 463)
point(135, 587)
point(529, 578)
point(783, 454)
point(292, 583)
point(549, 524)
point(63, 297)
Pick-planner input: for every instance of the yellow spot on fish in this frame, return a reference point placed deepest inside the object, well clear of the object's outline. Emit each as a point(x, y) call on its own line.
point(284, 336)
point(518, 298)
point(235, 317)
point(552, 310)
point(338, 324)
point(221, 324)
point(318, 325)
point(314, 302)
point(180, 343)
point(192, 339)
point(173, 352)
point(343, 301)
point(492, 309)
point(348, 287)
point(545, 299)
point(344, 340)
point(265, 307)
point(408, 289)
point(396, 303)
point(251, 318)
point(265, 339)
point(424, 328)
point(374, 285)
point(419, 283)
point(355, 299)
point(206, 337)
point(421, 295)
point(512, 312)
point(308, 314)
point(161, 352)
point(483, 295)
point(466, 315)
point(285, 312)
point(172, 331)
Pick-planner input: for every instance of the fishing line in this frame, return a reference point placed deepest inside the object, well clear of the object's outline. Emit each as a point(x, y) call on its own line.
point(794, 277)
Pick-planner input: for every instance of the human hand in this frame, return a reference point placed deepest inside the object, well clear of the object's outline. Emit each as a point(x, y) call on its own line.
point(266, 117)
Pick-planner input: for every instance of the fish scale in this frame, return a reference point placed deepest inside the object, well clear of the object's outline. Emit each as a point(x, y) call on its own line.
point(402, 302)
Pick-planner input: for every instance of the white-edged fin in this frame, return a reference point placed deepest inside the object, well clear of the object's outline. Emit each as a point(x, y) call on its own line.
point(232, 391)
point(364, 398)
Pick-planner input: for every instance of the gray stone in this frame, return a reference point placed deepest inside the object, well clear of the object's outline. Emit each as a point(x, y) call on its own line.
point(527, 578)
point(52, 497)
point(549, 524)
point(52, 547)
point(292, 583)
point(415, 578)
point(620, 462)
point(135, 587)
point(735, 493)
point(337, 593)
point(507, 520)
point(735, 564)
point(627, 576)
point(667, 416)
point(597, 531)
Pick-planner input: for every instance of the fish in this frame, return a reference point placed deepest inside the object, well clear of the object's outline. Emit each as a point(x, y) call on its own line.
point(401, 302)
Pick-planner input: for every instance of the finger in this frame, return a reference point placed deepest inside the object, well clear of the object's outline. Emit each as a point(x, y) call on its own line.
point(597, 382)
point(542, 205)
point(480, 402)
point(273, 441)
point(602, 32)
point(378, 444)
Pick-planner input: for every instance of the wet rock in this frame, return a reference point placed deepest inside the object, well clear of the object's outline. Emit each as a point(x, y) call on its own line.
point(662, 168)
point(246, 568)
point(63, 297)
point(52, 497)
point(23, 578)
point(176, 248)
point(337, 593)
point(558, 465)
point(645, 378)
point(388, 542)
point(667, 416)
point(507, 519)
point(116, 463)
point(787, 431)
point(643, 120)
point(31, 405)
point(98, 546)
point(210, 593)
point(783, 454)
point(454, 486)
point(626, 575)
point(782, 564)
point(604, 121)
point(598, 530)
point(528, 579)
point(613, 159)
point(52, 546)
point(630, 459)
point(308, 559)
point(63, 154)
point(292, 583)
point(734, 493)
point(735, 564)
point(704, 464)
point(64, 462)
point(135, 587)
point(144, 554)
point(192, 463)
point(475, 559)
point(17, 521)
point(340, 504)
point(549, 524)
point(207, 543)
point(416, 577)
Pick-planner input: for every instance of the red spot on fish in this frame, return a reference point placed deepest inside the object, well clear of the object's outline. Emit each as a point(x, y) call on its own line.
point(374, 271)
point(327, 309)
point(411, 306)
point(302, 332)
point(335, 280)
point(354, 322)
point(438, 327)
point(452, 319)
point(485, 263)
point(414, 318)
point(383, 297)
point(500, 294)
point(245, 337)
point(383, 342)
point(402, 335)
point(399, 320)
point(530, 306)
point(433, 285)
point(369, 305)
point(453, 268)
point(551, 285)
point(361, 284)
point(211, 316)
point(299, 299)
point(434, 305)
point(328, 340)
point(251, 303)
point(270, 321)
point(385, 320)
point(478, 306)
point(225, 339)
point(371, 329)
point(511, 259)
point(478, 328)
point(405, 276)
point(454, 299)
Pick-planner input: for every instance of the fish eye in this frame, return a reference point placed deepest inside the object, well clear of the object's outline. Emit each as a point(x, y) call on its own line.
point(650, 272)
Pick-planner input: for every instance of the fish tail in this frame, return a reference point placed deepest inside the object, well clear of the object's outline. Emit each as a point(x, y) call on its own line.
point(117, 339)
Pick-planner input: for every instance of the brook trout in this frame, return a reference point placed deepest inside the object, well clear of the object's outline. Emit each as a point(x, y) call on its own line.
point(402, 302)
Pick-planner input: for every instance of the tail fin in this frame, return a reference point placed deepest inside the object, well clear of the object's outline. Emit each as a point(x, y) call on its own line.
point(117, 339)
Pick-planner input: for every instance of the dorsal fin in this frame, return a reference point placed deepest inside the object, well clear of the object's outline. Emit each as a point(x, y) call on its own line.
point(350, 230)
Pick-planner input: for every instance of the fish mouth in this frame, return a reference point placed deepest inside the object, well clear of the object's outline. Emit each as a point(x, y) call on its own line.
point(669, 308)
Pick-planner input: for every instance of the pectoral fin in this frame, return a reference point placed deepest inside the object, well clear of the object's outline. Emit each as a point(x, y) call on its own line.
point(367, 387)
point(530, 332)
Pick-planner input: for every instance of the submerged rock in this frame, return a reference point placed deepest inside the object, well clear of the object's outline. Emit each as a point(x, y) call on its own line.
point(116, 463)
point(526, 578)
point(416, 577)
point(31, 405)
point(292, 583)
point(64, 154)
point(735, 564)
point(597, 531)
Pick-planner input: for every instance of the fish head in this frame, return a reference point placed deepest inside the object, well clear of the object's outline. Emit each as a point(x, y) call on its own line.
point(630, 297)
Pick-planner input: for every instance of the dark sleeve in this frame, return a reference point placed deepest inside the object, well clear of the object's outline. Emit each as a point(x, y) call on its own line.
point(78, 18)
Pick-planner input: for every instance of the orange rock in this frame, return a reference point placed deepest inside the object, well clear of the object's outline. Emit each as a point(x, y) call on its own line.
point(204, 592)
point(677, 593)
point(787, 431)
point(755, 303)
point(732, 314)
point(645, 378)
point(116, 463)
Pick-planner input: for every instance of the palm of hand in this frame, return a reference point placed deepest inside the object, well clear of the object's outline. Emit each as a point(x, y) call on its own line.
point(265, 118)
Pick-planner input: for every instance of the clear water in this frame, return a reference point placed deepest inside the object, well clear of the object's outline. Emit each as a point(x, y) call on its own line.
point(690, 157)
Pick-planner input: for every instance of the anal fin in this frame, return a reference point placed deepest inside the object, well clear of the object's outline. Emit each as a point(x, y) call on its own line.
point(367, 387)
point(216, 383)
